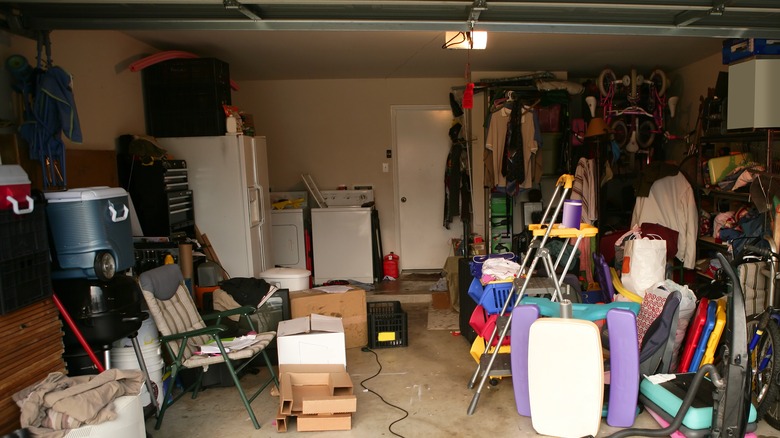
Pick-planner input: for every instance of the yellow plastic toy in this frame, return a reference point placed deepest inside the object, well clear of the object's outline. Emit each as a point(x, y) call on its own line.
point(622, 290)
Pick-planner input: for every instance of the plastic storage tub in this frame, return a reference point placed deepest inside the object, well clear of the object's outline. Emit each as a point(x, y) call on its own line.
point(287, 278)
point(129, 421)
point(90, 227)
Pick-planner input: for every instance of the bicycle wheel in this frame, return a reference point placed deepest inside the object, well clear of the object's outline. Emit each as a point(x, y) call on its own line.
point(772, 416)
point(659, 80)
point(645, 135)
point(765, 388)
point(619, 133)
point(606, 79)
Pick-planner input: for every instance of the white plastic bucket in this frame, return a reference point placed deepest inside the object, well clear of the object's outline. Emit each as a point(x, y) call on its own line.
point(287, 278)
point(147, 335)
point(124, 358)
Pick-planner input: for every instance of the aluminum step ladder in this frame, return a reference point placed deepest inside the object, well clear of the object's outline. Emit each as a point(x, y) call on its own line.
point(542, 232)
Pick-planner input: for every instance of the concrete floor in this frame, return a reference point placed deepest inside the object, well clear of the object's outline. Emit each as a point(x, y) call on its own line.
point(428, 379)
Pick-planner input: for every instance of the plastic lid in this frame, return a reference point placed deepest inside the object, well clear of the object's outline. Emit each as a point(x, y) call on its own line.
point(285, 273)
point(12, 174)
point(85, 194)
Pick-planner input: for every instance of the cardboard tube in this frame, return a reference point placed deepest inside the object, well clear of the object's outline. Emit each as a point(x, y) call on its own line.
point(185, 259)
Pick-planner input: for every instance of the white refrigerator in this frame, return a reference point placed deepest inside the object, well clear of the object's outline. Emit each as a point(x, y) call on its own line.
point(228, 176)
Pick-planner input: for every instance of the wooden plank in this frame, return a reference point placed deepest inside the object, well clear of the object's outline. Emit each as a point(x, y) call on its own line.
point(35, 334)
point(9, 412)
point(37, 362)
point(9, 149)
point(43, 307)
point(22, 380)
point(207, 249)
point(42, 332)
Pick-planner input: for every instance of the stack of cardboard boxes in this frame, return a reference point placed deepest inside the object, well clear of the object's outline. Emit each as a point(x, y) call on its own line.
point(314, 386)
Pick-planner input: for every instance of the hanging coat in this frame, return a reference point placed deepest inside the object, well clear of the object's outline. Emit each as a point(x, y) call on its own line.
point(51, 113)
point(457, 185)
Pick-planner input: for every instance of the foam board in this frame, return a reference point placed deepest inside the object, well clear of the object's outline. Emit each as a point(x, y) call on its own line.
point(315, 339)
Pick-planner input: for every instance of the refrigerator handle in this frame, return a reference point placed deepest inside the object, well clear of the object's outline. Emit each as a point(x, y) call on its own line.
point(261, 205)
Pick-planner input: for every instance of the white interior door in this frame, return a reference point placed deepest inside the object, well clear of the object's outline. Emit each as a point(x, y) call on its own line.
point(421, 143)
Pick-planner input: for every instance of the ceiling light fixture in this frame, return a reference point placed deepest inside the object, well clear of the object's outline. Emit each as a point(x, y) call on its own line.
point(465, 40)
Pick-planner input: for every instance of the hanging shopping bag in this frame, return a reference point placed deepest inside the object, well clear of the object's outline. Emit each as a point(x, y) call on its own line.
point(644, 263)
point(633, 233)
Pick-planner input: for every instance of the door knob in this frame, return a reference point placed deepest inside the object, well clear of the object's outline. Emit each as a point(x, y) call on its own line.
point(403, 199)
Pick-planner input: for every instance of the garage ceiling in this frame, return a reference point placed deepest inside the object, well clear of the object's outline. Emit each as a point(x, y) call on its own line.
point(303, 39)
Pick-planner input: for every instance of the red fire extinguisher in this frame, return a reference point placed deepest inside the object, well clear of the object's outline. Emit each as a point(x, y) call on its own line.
point(391, 265)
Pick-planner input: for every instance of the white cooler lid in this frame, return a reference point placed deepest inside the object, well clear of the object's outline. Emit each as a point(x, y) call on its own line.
point(13, 174)
point(85, 194)
point(285, 273)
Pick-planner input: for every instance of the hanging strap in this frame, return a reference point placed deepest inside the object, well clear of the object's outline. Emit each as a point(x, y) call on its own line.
point(44, 42)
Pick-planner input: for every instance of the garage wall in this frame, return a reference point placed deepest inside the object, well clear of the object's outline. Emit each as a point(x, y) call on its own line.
point(108, 95)
point(336, 130)
point(690, 83)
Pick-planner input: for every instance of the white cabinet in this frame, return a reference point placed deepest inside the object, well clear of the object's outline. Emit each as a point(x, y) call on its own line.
point(754, 94)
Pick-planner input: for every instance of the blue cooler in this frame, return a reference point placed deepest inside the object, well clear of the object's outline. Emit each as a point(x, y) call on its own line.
point(90, 232)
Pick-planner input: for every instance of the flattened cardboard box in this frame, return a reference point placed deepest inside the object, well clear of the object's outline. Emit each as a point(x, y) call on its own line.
point(320, 396)
point(350, 306)
point(314, 339)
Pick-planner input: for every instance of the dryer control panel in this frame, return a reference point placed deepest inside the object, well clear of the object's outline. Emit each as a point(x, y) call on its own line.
point(347, 198)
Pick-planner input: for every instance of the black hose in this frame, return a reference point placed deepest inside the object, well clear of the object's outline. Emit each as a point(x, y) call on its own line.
point(675, 424)
point(763, 252)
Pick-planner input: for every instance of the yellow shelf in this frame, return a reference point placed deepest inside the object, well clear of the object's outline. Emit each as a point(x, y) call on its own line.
point(585, 230)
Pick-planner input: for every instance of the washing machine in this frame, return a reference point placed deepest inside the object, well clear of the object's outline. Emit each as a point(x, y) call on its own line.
point(344, 237)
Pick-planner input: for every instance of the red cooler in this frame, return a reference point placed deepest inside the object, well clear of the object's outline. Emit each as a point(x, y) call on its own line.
point(14, 189)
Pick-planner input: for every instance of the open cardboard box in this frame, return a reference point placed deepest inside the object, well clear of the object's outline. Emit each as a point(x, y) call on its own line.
point(319, 395)
point(314, 339)
point(350, 306)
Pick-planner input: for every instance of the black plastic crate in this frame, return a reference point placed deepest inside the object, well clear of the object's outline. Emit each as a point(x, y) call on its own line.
point(387, 325)
point(22, 234)
point(184, 97)
point(24, 280)
point(24, 259)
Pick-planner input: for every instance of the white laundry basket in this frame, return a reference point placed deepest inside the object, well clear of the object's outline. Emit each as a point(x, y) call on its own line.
point(129, 422)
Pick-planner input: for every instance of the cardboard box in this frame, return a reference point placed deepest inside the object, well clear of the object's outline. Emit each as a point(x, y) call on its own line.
point(318, 423)
point(350, 306)
point(315, 339)
point(320, 396)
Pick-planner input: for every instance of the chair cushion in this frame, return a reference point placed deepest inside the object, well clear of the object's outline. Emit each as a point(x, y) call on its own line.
point(658, 343)
point(162, 281)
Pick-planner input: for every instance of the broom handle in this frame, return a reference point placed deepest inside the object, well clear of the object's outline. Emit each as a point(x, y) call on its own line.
point(77, 332)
